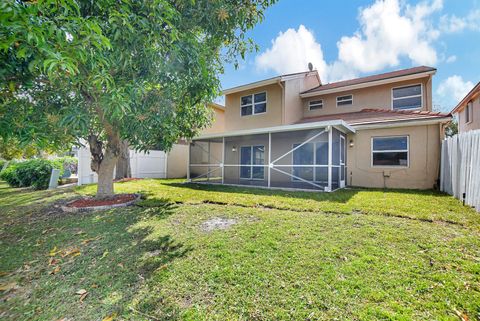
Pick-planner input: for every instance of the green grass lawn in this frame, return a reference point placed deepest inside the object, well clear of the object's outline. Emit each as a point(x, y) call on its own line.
point(347, 255)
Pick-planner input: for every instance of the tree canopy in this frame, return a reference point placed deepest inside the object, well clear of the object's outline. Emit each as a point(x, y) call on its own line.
point(111, 70)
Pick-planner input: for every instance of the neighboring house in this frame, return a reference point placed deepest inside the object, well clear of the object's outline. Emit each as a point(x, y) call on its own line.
point(292, 131)
point(155, 163)
point(468, 111)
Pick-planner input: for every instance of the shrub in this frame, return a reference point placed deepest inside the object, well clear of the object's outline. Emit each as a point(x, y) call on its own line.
point(9, 175)
point(34, 172)
point(67, 165)
point(2, 163)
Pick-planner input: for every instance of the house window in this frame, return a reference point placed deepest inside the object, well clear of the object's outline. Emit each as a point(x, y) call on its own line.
point(468, 112)
point(344, 100)
point(315, 104)
point(252, 159)
point(308, 155)
point(390, 151)
point(253, 104)
point(409, 97)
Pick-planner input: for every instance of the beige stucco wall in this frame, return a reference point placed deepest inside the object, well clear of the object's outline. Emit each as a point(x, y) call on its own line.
point(177, 160)
point(272, 117)
point(475, 123)
point(424, 158)
point(218, 121)
point(379, 97)
point(293, 102)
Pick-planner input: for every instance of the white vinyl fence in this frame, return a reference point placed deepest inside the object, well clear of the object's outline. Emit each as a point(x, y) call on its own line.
point(143, 165)
point(460, 169)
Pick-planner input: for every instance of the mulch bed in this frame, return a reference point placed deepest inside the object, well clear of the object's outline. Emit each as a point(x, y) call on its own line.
point(114, 200)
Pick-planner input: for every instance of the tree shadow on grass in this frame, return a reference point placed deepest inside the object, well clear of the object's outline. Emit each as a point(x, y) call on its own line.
point(338, 196)
point(121, 253)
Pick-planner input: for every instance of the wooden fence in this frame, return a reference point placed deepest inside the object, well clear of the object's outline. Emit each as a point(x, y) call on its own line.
point(460, 167)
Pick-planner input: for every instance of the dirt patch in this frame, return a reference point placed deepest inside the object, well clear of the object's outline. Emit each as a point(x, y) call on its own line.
point(122, 180)
point(217, 223)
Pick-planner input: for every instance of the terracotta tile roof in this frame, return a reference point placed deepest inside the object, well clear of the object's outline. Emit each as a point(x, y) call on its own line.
point(388, 75)
point(369, 116)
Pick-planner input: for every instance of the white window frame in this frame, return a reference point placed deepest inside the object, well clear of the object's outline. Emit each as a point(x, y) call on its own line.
point(469, 112)
point(314, 165)
point(411, 85)
point(390, 151)
point(253, 104)
point(318, 104)
point(251, 164)
point(341, 106)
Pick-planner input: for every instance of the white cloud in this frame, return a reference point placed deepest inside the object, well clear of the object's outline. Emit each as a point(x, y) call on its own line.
point(388, 32)
point(451, 59)
point(454, 88)
point(291, 51)
point(452, 23)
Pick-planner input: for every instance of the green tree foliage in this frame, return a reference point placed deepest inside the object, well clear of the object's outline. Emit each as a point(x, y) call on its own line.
point(452, 128)
point(106, 71)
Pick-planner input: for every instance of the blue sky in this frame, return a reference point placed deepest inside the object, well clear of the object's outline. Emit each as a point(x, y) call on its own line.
point(346, 39)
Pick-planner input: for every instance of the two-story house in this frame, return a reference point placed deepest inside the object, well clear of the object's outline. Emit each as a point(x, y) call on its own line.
point(293, 131)
point(468, 111)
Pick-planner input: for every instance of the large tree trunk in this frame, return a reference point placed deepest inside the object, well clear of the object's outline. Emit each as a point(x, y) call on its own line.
point(103, 161)
point(123, 169)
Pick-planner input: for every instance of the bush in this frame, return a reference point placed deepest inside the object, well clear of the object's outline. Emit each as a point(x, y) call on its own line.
point(34, 172)
point(9, 175)
point(2, 163)
point(67, 165)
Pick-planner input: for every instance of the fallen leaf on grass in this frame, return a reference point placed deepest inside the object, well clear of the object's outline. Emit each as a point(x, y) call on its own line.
point(110, 317)
point(8, 286)
point(461, 315)
point(55, 270)
point(105, 254)
point(73, 252)
point(81, 292)
point(53, 261)
point(83, 296)
point(54, 251)
point(120, 265)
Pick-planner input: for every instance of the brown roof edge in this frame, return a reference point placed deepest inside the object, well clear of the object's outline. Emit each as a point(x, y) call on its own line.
point(368, 115)
point(465, 99)
point(371, 78)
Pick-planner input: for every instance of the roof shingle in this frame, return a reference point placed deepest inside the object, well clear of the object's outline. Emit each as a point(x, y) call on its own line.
point(388, 75)
point(369, 116)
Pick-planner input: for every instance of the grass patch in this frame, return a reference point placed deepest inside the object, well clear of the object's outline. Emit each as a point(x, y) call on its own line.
point(155, 262)
point(424, 205)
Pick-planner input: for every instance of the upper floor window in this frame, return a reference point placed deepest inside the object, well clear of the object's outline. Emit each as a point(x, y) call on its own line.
point(408, 97)
point(390, 151)
point(344, 100)
point(315, 104)
point(253, 104)
point(468, 112)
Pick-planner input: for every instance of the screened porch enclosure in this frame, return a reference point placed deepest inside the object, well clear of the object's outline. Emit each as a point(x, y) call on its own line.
point(310, 159)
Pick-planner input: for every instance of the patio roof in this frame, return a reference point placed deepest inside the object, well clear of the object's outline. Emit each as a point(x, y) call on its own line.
point(337, 123)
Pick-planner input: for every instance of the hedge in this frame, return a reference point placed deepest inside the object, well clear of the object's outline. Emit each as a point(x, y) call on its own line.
point(34, 172)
